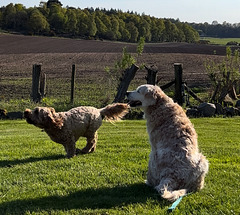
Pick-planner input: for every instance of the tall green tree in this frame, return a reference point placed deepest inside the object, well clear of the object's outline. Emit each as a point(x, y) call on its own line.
point(92, 28)
point(133, 30)
point(53, 2)
point(145, 30)
point(107, 21)
point(37, 22)
point(180, 37)
point(82, 27)
point(190, 35)
point(101, 27)
point(9, 17)
point(57, 18)
point(115, 28)
point(170, 31)
point(157, 30)
point(126, 36)
point(71, 22)
point(44, 9)
point(21, 17)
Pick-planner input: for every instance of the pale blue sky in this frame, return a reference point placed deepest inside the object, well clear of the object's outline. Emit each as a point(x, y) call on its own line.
point(198, 11)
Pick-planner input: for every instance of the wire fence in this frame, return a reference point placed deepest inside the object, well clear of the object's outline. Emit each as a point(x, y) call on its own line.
point(89, 86)
point(93, 85)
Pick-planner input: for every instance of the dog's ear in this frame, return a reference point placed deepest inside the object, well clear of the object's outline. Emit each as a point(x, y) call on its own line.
point(152, 93)
point(52, 120)
point(52, 110)
point(156, 95)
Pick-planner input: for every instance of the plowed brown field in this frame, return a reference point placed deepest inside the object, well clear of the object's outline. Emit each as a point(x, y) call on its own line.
point(18, 53)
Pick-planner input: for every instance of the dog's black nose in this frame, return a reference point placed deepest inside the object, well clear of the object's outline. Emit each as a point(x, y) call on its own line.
point(26, 113)
point(127, 93)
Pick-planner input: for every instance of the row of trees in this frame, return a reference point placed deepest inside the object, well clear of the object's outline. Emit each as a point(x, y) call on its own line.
point(224, 30)
point(50, 18)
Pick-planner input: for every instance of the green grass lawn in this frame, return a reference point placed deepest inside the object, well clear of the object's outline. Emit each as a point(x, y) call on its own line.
point(221, 41)
point(36, 178)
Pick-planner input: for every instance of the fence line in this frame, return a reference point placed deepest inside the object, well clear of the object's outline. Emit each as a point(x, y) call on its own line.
point(90, 88)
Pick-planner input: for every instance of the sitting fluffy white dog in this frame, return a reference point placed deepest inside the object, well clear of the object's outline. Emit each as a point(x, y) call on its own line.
point(175, 166)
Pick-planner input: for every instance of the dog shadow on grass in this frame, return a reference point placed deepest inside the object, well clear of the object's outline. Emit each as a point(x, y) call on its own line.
point(12, 163)
point(101, 198)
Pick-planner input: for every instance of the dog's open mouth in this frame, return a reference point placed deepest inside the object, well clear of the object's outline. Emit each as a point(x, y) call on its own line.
point(30, 121)
point(135, 103)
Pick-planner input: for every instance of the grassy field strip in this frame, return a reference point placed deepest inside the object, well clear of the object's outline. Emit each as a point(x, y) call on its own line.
point(36, 178)
point(221, 41)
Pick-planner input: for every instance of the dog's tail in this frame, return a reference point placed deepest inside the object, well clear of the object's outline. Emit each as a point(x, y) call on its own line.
point(114, 111)
point(173, 195)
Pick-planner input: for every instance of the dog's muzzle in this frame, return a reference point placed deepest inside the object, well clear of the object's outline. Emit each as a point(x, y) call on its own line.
point(132, 103)
point(27, 114)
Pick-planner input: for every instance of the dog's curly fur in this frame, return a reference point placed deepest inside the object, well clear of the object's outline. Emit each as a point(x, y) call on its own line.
point(66, 127)
point(175, 166)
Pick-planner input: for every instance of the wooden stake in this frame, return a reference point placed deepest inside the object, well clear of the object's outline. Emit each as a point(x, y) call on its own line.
point(73, 83)
point(36, 97)
point(127, 78)
point(178, 83)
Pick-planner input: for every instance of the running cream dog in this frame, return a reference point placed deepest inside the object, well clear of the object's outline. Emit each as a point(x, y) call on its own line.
point(66, 127)
point(175, 166)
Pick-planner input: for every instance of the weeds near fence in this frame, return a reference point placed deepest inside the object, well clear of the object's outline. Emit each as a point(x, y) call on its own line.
point(224, 75)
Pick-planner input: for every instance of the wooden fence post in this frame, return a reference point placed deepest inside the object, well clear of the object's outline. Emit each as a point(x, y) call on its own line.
point(127, 78)
point(152, 75)
point(36, 97)
point(42, 84)
point(179, 90)
point(73, 82)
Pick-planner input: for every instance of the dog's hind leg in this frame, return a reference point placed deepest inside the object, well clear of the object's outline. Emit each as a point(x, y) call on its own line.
point(91, 144)
point(166, 189)
point(198, 185)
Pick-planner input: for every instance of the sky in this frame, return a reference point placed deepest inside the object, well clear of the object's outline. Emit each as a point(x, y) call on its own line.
point(198, 11)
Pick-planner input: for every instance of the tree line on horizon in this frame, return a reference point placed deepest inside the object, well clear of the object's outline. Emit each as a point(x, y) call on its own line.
point(215, 29)
point(51, 19)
